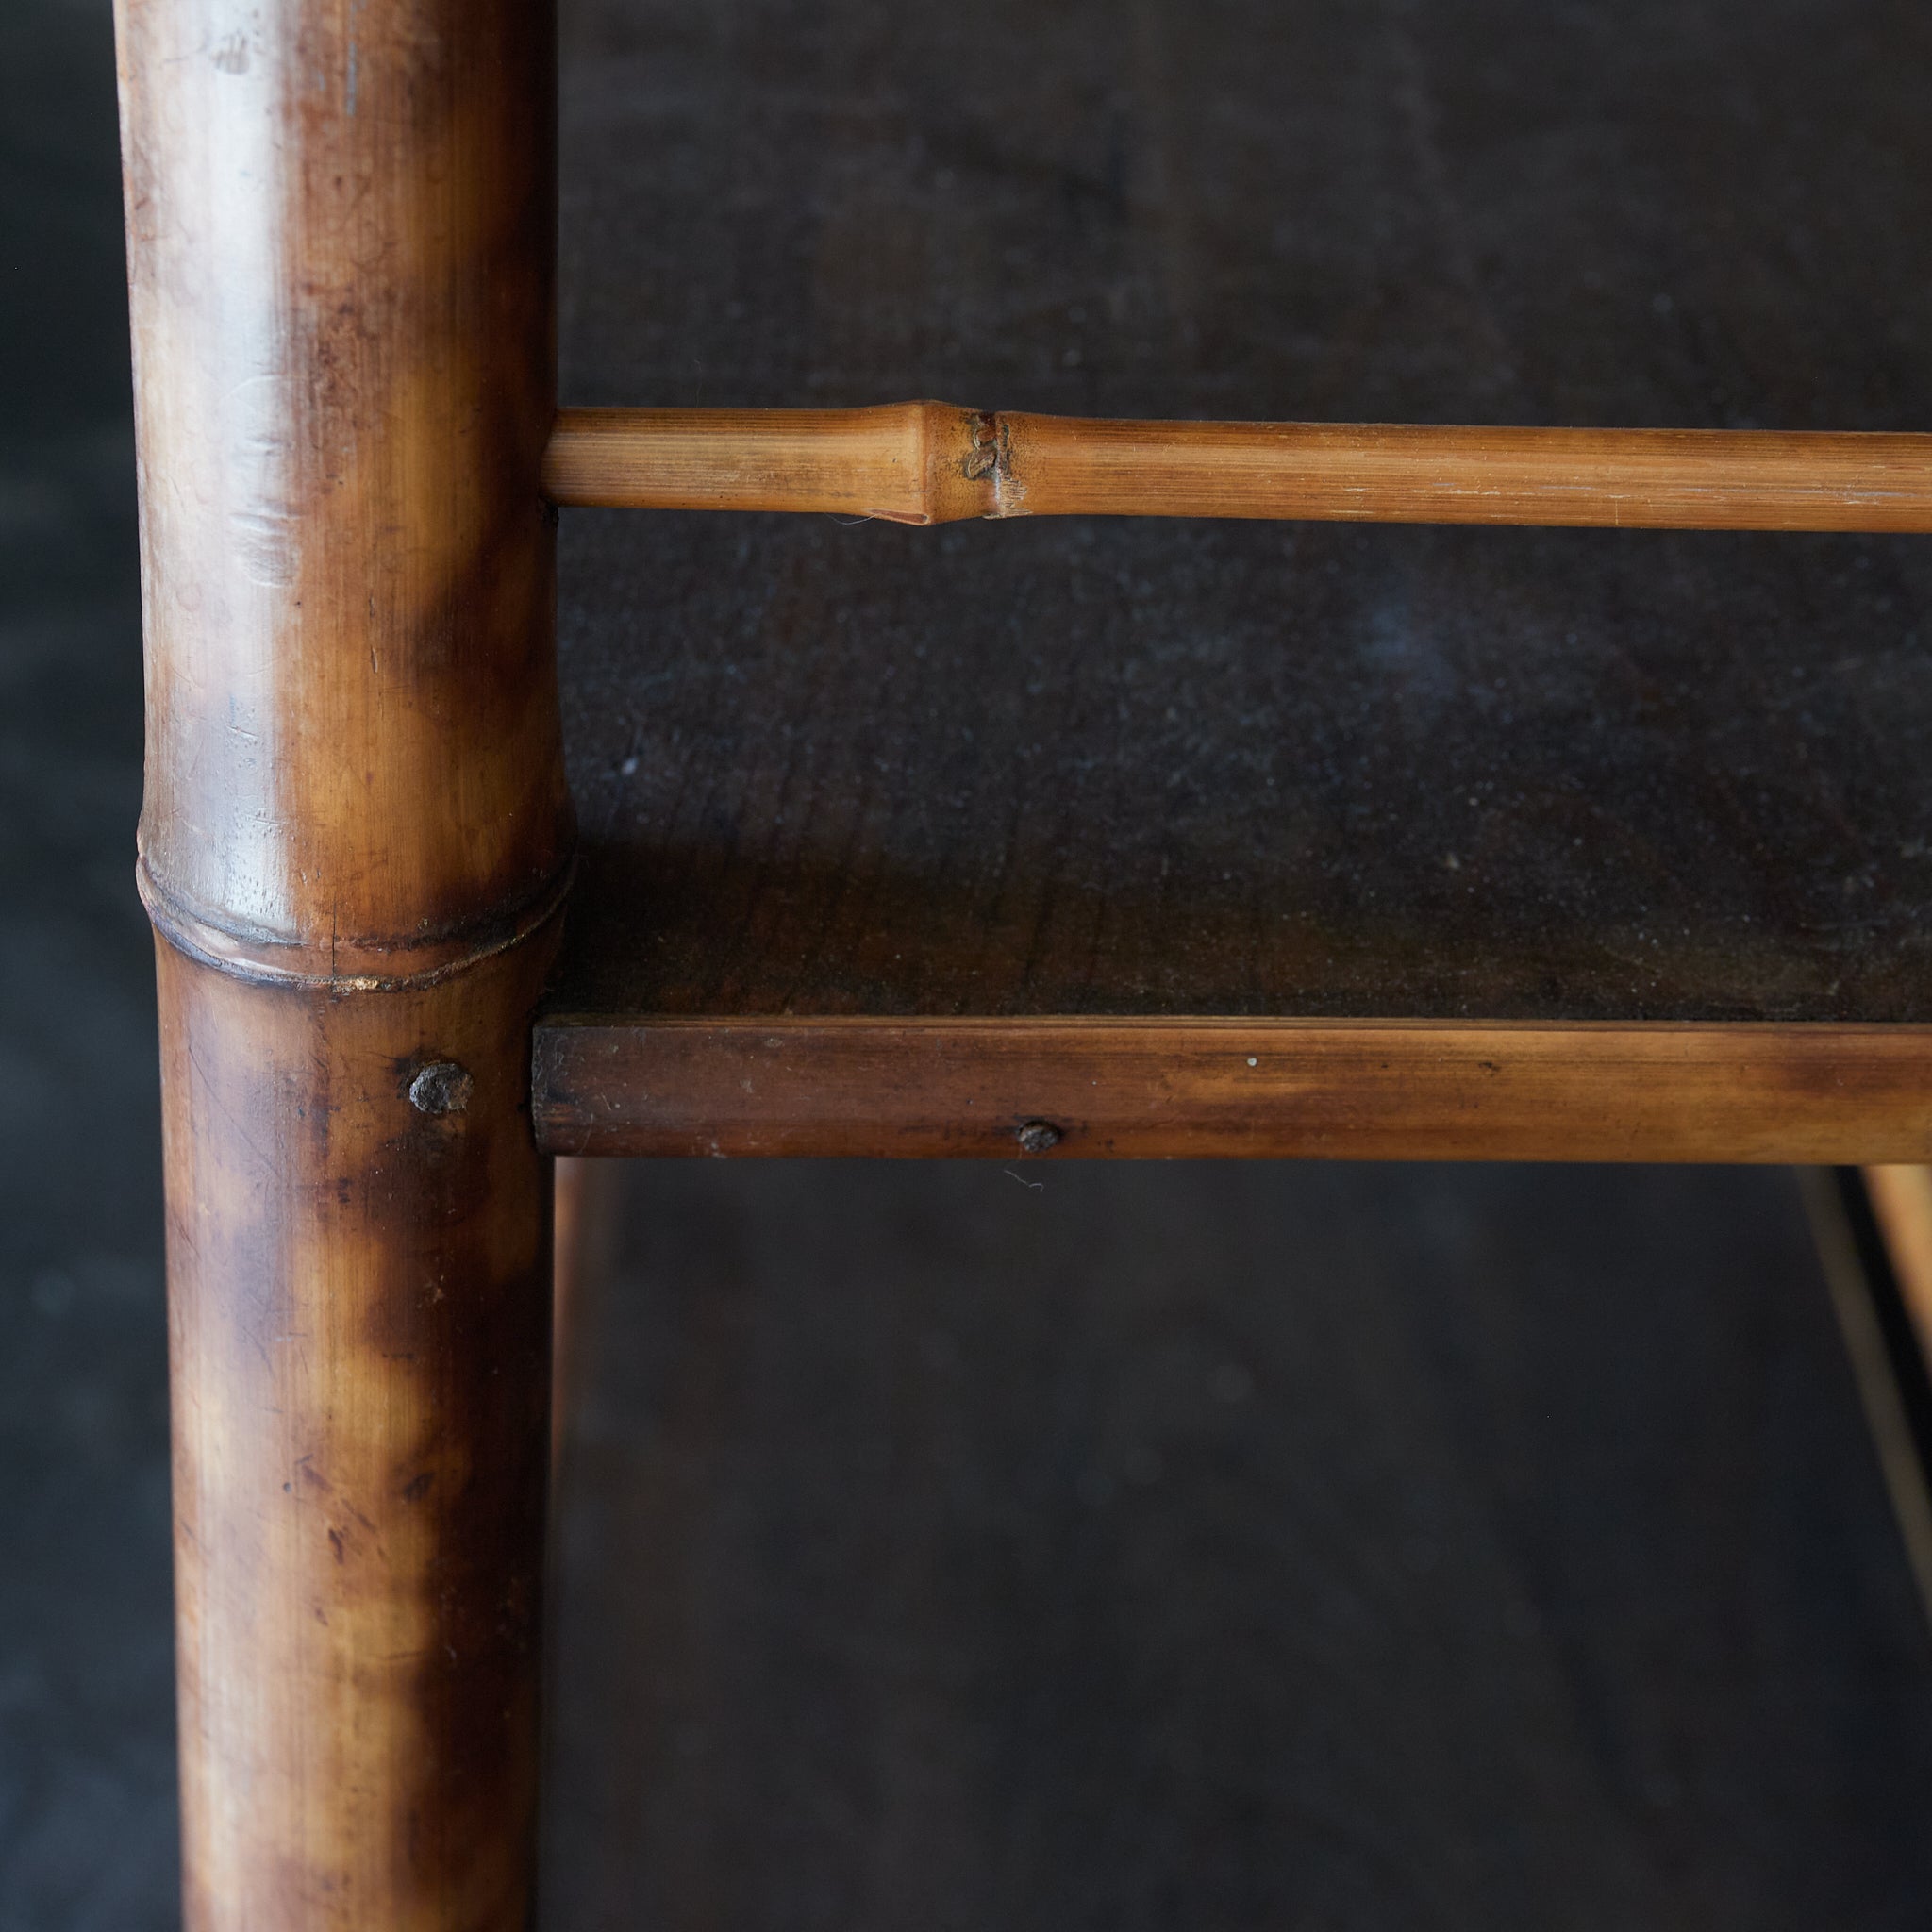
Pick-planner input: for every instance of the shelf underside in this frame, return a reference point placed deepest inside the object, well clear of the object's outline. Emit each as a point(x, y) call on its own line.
point(1020, 775)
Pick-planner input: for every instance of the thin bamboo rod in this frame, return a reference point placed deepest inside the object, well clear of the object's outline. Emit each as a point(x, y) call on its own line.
point(933, 463)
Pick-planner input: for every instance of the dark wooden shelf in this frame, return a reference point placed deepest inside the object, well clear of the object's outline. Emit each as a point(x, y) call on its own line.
point(1021, 772)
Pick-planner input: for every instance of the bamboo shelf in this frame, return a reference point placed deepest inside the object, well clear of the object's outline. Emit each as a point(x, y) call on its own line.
point(1214, 803)
point(1608, 841)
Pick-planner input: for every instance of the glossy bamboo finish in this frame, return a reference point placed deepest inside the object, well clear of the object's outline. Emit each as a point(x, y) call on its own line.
point(359, 1349)
point(934, 463)
point(341, 249)
point(1256, 1088)
point(354, 842)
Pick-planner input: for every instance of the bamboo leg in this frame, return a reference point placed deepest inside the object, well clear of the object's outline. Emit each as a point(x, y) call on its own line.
point(354, 844)
point(1831, 1199)
point(359, 1344)
point(587, 1213)
point(1901, 1200)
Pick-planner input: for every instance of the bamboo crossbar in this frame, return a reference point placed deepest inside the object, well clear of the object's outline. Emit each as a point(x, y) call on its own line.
point(932, 463)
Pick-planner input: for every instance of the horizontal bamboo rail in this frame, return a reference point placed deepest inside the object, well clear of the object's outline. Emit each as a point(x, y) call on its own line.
point(933, 463)
point(1065, 1086)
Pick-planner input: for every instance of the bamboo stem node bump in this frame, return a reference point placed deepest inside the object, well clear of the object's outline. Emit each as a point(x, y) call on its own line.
point(930, 462)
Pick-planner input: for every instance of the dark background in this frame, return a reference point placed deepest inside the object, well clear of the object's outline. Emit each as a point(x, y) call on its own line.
point(1255, 1545)
point(85, 1706)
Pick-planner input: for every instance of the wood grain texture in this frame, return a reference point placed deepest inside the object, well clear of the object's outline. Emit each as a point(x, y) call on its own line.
point(934, 463)
point(1164, 768)
point(354, 842)
point(1069, 1089)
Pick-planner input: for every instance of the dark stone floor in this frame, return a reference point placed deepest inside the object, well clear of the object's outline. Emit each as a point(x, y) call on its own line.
point(1240, 1546)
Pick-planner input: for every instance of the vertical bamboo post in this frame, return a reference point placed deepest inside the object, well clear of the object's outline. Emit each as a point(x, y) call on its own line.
point(341, 239)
